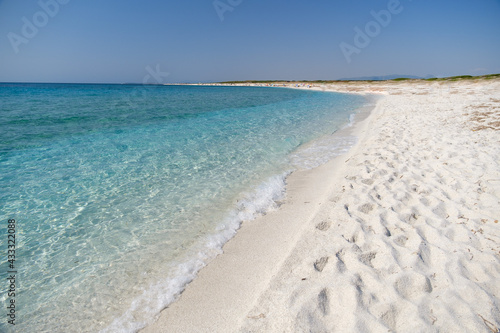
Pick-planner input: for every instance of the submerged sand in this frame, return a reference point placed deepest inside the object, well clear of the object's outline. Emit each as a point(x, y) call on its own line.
point(401, 234)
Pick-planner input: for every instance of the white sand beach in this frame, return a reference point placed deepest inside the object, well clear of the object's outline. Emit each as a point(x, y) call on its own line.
point(400, 234)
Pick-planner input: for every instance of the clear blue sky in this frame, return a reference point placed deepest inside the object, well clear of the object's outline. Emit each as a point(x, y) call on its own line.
point(118, 40)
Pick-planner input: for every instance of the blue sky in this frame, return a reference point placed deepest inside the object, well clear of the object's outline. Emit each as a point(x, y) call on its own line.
point(141, 41)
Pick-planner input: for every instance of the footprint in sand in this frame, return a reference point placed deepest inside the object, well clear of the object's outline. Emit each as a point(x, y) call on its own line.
point(366, 258)
point(324, 302)
point(366, 208)
point(401, 240)
point(323, 226)
point(367, 181)
point(320, 264)
point(413, 286)
point(341, 267)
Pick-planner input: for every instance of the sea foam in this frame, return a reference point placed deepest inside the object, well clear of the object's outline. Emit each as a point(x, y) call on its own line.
point(145, 308)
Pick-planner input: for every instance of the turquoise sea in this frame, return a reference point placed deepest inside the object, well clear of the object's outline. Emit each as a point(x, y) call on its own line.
point(121, 193)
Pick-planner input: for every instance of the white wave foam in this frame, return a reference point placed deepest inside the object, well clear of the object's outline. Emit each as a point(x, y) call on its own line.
point(145, 309)
point(352, 117)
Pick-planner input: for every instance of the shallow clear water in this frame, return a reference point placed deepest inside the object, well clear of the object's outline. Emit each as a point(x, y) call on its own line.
point(122, 193)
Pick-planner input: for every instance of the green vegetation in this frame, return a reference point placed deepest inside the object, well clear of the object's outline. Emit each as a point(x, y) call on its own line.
point(491, 76)
point(452, 78)
point(466, 77)
point(456, 78)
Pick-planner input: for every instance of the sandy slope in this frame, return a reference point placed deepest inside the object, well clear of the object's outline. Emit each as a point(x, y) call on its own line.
point(400, 234)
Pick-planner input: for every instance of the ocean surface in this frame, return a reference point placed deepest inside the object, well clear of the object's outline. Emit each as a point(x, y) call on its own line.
point(121, 193)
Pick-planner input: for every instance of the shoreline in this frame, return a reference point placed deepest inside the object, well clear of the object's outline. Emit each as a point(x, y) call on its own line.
point(270, 276)
point(242, 255)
